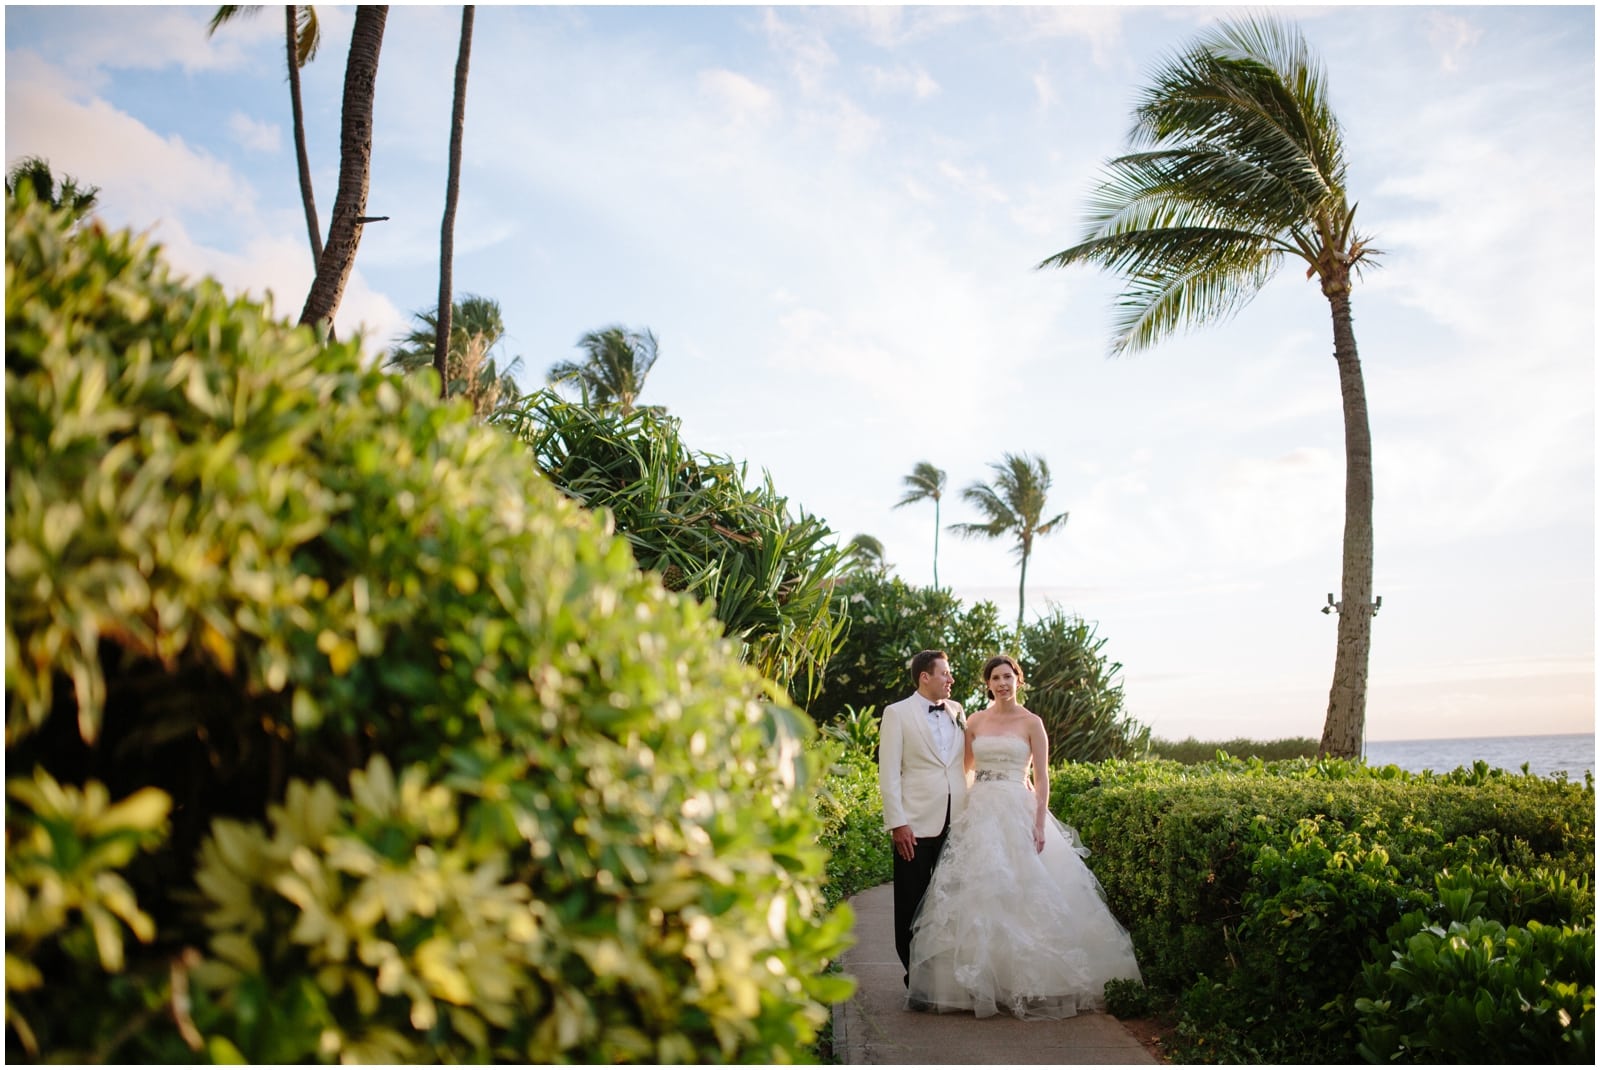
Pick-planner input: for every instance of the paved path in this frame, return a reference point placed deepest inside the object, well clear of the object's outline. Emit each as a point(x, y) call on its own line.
point(875, 1027)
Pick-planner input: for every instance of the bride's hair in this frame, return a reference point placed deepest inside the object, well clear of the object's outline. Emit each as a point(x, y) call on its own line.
point(994, 663)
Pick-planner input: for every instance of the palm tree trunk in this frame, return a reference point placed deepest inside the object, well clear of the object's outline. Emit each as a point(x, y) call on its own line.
point(1345, 728)
point(304, 161)
point(1022, 585)
point(936, 544)
point(355, 167)
point(452, 191)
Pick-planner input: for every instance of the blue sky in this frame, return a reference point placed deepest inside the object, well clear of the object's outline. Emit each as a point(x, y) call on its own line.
point(830, 216)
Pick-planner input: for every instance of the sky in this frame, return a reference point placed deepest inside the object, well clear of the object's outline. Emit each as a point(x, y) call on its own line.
point(831, 217)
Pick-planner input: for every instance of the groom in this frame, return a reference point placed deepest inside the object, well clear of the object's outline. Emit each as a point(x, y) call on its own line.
point(923, 780)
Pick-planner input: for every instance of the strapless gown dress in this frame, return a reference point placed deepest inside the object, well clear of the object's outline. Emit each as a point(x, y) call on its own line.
point(1004, 927)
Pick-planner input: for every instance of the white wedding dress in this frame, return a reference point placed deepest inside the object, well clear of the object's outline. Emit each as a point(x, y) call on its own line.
point(1003, 926)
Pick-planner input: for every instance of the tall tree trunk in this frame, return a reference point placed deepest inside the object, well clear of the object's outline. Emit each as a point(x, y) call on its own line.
point(1022, 585)
point(1345, 727)
point(355, 167)
point(447, 236)
point(306, 195)
point(935, 544)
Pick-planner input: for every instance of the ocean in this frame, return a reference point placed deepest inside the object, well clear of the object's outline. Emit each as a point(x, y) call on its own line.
point(1544, 755)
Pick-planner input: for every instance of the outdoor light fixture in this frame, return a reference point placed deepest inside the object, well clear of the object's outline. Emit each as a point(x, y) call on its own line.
point(1333, 607)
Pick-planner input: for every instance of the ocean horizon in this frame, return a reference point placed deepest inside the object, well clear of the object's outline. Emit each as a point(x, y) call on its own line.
point(1570, 753)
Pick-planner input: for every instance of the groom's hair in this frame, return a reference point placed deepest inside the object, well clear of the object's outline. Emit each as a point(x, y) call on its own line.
point(923, 662)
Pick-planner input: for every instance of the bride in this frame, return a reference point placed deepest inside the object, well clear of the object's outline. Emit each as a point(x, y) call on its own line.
point(1013, 919)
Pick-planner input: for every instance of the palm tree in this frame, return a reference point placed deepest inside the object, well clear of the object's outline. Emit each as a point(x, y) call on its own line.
point(447, 237)
point(923, 484)
point(614, 368)
point(355, 167)
point(866, 552)
point(302, 38)
point(35, 171)
point(1013, 503)
point(1242, 165)
point(477, 327)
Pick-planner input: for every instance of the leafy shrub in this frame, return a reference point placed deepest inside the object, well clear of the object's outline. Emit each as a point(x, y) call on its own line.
point(1258, 893)
point(1071, 684)
point(446, 775)
point(1074, 689)
point(851, 810)
point(1480, 992)
point(767, 574)
point(890, 621)
point(1127, 998)
point(1191, 751)
point(858, 731)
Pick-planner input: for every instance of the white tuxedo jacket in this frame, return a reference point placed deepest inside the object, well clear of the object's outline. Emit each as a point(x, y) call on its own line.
point(913, 776)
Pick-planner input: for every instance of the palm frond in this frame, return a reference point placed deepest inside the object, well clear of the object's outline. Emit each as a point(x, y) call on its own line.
point(925, 483)
point(227, 13)
point(1240, 163)
point(307, 34)
point(1154, 306)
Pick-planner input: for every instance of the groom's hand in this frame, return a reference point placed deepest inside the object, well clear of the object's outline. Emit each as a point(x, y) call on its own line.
point(905, 842)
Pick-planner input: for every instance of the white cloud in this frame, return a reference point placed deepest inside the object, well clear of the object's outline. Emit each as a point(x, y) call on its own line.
point(1453, 36)
point(1044, 88)
point(141, 174)
point(974, 181)
point(253, 134)
point(1100, 27)
point(169, 188)
point(802, 47)
point(741, 99)
point(903, 79)
point(158, 38)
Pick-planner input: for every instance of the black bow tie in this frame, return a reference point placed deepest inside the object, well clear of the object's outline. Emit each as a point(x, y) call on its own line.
point(936, 707)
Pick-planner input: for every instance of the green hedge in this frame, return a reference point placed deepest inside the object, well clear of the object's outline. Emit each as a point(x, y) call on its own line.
point(1261, 894)
point(411, 762)
point(851, 809)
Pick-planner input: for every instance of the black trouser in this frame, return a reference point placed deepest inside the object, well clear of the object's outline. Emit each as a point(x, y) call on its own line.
point(911, 879)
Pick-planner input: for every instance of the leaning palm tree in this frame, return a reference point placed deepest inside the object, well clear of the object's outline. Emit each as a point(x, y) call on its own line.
point(1014, 504)
point(926, 483)
point(77, 199)
point(614, 367)
point(355, 168)
point(1242, 165)
point(452, 192)
point(476, 328)
point(302, 38)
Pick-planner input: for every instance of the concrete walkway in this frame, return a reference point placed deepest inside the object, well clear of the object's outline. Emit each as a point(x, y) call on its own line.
point(875, 1027)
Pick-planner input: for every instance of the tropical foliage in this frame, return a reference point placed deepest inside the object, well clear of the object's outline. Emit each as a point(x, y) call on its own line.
point(614, 367)
point(890, 621)
point(335, 733)
point(765, 569)
point(1077, 691)
point(1241, 165)
point(477, 328)
point(1013, 507)
point(866, 551)
point(68, 195)
point(924, 484)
